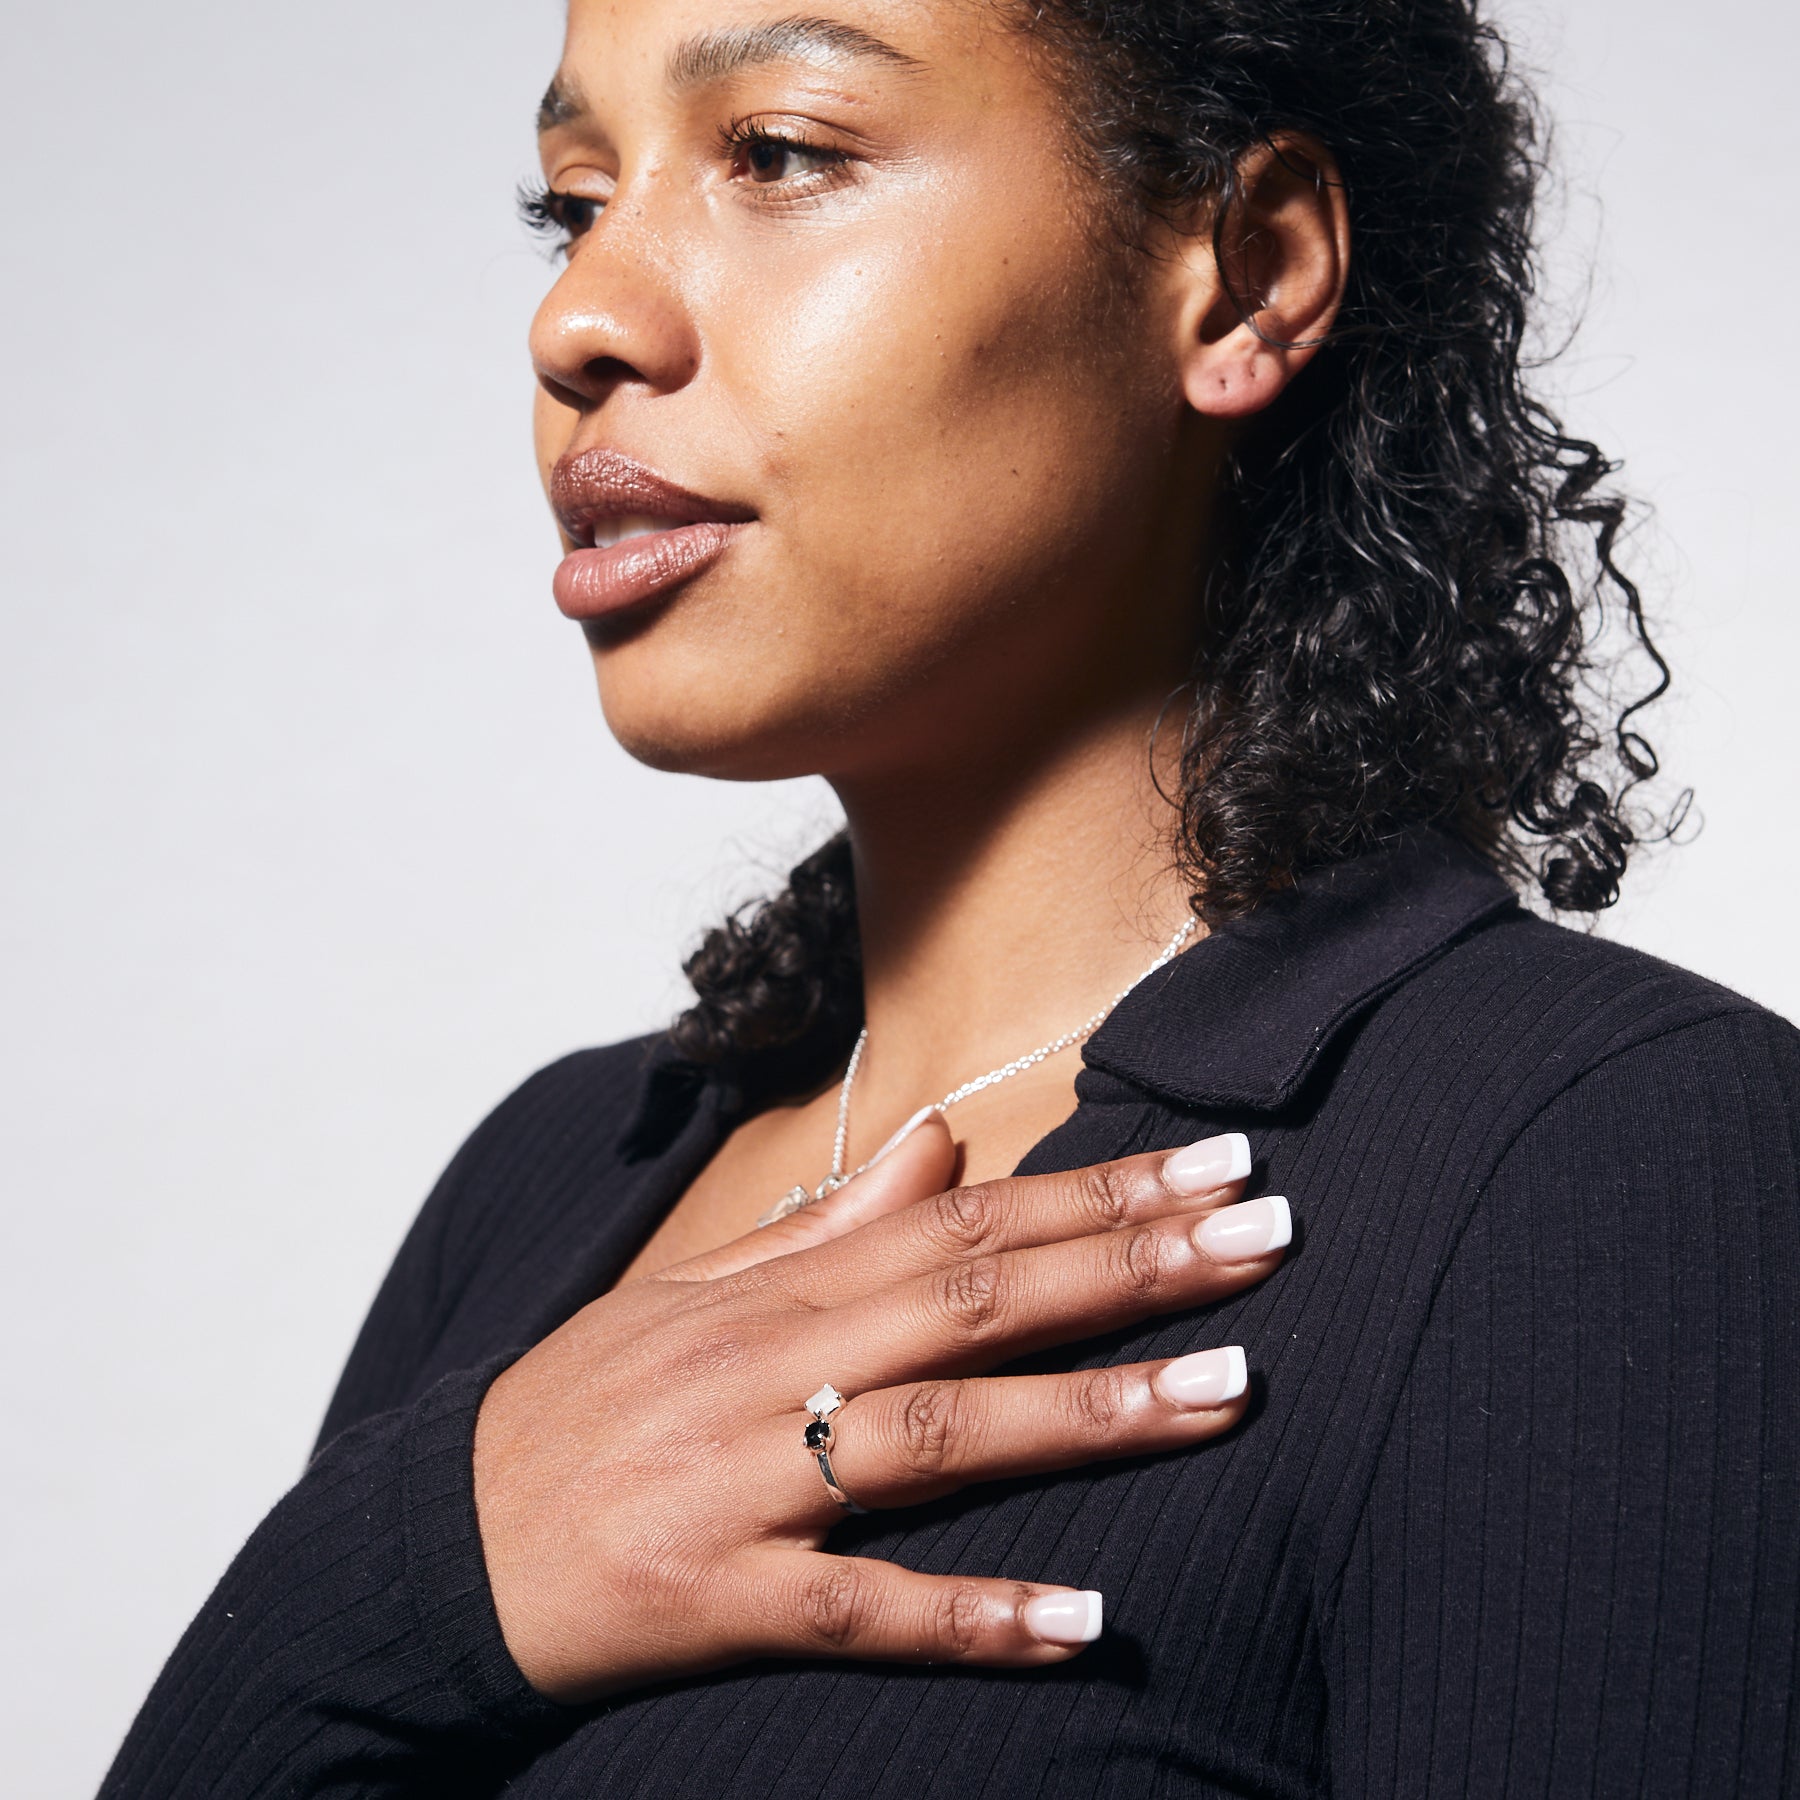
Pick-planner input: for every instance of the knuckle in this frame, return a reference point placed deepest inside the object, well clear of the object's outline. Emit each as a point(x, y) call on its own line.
point(1140, 1262)
point(928, 1425)
point(970, 1297)
point(833, 1604)
point(1105, 1196)
point(961, 1618)
point(1099, 1404)
point(964, 1220)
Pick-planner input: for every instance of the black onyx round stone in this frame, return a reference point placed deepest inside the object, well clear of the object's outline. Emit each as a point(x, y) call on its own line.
point(818, 1435)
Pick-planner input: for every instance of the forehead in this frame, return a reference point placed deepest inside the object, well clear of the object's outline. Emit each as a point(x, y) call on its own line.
point(676, 44)
point(616, 20)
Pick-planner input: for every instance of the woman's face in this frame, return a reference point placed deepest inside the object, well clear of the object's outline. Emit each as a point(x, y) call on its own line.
point(893, 414)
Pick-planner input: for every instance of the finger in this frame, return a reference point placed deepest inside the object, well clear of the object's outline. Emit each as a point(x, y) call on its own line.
point(901, 1445)
point(1022, 1211)
point(966, 1316)
point(915, 1163)
point(857, 1608)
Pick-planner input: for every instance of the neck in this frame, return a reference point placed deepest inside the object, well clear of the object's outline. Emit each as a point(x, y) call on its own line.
point(1000, 907)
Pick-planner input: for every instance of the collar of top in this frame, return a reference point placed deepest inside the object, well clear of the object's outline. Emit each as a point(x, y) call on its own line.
point(1241, 1020)
point(1238, 1022)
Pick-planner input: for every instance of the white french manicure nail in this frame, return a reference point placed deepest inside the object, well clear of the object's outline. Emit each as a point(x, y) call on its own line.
point(1064, 1618)
point(1196, 1168)
point(903, 1133)
point(1246, 1231)
point(1207, 1378)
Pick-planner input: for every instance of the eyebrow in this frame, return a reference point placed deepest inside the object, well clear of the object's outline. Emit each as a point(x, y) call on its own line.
point(713, 56)
point(716, 55)
point(562, 104)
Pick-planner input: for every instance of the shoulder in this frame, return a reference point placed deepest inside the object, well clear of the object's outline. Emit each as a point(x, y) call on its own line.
point(587, 1082)
point(1627, 1099)
point(586, 1094)
point(1523, 1039)
point(1579, 975)
point(566, 1121)
point(1540, 1008)
point(1607, 1169)
point(1656, 1086)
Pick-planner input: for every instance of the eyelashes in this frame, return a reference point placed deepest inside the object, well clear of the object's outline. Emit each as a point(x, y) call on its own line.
point(759, 158)
point(756, 149)
point(559, 219)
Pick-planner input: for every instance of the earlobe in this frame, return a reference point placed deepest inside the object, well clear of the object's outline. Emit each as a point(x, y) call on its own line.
point(1264, 287)
point(1232, 379)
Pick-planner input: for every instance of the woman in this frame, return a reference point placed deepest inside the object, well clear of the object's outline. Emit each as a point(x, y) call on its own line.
point(1093, 437)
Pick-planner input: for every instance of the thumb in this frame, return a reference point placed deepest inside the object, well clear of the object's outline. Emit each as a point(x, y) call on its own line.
point(919, 1160)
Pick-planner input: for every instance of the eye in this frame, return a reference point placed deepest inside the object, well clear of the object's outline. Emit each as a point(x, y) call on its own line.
point(557, 217)
point(780, 159)
point(767, 158)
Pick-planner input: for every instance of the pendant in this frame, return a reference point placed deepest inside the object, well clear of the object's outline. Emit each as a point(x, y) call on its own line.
point(790, 1202)
point(798, 1196)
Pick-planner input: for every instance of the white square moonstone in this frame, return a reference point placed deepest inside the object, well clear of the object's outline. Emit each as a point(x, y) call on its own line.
point(825, 1402)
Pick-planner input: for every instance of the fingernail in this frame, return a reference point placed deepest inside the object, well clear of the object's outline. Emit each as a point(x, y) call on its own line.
point(1246, 1231)
point(1207, 1378)
point(1064, 1618)
point(903, 1133)
point(1208, 1164)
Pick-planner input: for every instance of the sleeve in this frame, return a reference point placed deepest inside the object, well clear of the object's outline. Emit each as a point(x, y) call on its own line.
point(1578, 1569)
point(352, 1648)
point(484, 1191)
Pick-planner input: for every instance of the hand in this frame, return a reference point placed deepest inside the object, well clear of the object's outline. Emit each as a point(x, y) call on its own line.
point(648, 1507)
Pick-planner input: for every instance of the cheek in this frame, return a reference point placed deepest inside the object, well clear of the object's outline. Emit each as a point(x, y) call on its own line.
point(940, 419)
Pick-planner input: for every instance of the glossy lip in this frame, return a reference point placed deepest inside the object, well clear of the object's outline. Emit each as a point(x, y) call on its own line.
point(587, 486)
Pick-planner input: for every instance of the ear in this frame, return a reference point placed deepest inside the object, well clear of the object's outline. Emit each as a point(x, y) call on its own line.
point(1263, 282)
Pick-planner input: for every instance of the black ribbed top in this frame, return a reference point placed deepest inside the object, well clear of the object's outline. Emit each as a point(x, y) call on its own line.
point(1517, 1509)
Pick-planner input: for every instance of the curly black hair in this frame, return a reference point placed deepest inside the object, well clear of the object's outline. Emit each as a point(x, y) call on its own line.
point(1401, 633)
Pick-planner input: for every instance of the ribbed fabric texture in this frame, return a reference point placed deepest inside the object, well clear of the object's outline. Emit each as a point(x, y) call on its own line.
point(1517, 1509)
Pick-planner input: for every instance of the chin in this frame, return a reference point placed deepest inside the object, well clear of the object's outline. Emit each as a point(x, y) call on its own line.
point(664, 727)
point(700, 691)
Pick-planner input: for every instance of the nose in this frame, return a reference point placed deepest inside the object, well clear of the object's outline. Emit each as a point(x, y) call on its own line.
point(615, 317)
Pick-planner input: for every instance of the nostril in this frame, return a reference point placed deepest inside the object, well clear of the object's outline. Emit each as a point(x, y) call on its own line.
point(588, 383)
point(608, 372)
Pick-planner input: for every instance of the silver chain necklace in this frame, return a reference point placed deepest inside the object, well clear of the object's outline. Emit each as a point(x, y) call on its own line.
point(798, 1196)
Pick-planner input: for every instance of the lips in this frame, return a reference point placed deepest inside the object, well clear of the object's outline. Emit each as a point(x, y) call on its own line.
point(636, 534)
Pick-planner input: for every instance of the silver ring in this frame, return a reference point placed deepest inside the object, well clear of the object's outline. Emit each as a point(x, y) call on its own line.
point(820, 1440)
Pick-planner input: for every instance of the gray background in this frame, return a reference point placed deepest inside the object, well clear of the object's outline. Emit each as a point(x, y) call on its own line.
point(314, 843)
